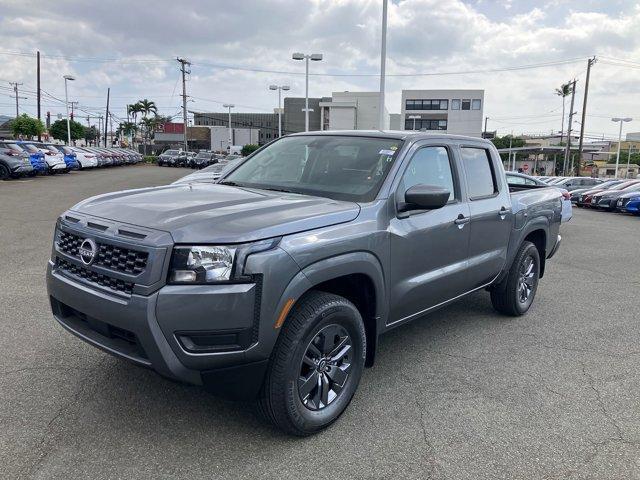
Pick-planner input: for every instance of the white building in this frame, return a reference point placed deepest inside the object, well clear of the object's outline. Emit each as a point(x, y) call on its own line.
point(457, 112)
point(352, 111)
point(239, 137)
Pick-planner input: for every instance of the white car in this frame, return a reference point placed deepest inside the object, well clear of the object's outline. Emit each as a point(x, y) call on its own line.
point(85, 159)
point(54, 159)
point(517, 178)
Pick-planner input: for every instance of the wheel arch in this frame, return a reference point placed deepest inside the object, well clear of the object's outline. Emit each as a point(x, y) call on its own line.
point(357, 276)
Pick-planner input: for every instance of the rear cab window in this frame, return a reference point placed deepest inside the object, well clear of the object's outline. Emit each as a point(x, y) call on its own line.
point(479, 172)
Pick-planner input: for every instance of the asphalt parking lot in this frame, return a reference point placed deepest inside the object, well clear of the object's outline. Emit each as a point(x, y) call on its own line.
point(461, 394)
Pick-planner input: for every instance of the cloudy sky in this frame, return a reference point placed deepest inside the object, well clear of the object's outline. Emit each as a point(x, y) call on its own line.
point(239, 47)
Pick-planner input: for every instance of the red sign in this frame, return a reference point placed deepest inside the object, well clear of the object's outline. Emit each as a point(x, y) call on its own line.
point(525, 167)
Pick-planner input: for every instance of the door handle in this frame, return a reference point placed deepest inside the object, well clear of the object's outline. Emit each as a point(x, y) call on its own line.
point(503, 212)
point(461, 221)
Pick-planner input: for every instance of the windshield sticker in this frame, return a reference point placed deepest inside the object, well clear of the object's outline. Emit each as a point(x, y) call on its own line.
point(386, 152)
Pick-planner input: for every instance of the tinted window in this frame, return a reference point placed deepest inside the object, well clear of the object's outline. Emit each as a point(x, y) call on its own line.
point(429, 166)
point(479, 172)
point(466, 104)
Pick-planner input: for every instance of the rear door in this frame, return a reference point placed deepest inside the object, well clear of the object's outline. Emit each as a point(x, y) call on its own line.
point(428, 248)
point(490, 210)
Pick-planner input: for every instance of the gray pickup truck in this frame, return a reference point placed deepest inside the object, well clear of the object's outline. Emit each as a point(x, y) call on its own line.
point(276, 282)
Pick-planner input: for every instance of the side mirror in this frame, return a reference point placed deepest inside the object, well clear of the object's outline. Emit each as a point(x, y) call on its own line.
point(428, 197)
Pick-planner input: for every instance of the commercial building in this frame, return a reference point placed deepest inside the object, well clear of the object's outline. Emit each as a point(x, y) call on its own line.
point(265, 123)
point(293, 119)
point(171, 135)
point(352, 111)
point(457, 112)
point(239, 137)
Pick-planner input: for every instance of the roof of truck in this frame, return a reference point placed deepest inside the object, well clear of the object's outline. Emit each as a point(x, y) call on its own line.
point(399, 134)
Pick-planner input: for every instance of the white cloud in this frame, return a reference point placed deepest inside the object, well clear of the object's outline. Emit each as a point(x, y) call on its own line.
point(424, 36)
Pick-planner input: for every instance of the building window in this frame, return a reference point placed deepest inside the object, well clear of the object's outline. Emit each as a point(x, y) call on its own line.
point(466, 104)
point(425, 124)
point(436, 104)
point(455, 104)
point(476, 104)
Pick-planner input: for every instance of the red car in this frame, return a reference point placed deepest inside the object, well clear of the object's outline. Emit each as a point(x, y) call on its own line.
point(584, 200)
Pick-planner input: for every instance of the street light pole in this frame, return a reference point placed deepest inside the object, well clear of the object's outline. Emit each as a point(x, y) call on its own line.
point(316, 57)
point(628, 162)
point(66, 101)
point(619, 120)
point(279, 88)
point(383, 62)
point(229, 106)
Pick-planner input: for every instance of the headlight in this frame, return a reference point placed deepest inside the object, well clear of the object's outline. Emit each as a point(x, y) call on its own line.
point(213, 263)
point(201, 264)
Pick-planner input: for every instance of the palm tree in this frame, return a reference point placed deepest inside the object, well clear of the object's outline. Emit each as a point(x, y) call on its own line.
point(146, 107)
point(564, 91)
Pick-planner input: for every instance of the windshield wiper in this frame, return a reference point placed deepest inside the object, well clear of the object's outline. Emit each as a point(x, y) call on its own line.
point(229, 183)
point(273, 189)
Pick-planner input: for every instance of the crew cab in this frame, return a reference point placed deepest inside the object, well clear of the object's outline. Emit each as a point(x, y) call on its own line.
point(276, 282)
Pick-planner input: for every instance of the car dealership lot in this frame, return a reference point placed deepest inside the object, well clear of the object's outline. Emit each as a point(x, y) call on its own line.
point(464, 393)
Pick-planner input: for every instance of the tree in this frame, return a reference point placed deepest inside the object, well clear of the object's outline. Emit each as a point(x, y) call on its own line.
point(58, 130)
point(146, 107)
point(505, 142)
point(564, 91)
point(26, 126)
point(90, 134)
point(249, 148)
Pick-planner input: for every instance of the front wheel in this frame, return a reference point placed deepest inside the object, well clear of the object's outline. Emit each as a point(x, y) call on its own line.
point(316, 364)
point(5, 174)
point(514, 295)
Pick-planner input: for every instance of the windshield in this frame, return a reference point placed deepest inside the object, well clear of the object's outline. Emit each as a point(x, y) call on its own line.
point(31, 148)
point(171, 152)
point(338, 167)
point(13, 146)
point(609, 184)
point(203, 155)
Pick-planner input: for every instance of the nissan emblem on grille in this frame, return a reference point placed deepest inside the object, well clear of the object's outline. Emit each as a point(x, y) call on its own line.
point(87, 251)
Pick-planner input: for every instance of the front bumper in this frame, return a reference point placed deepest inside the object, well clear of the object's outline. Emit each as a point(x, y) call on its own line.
point(22, 169)
point(154, 331)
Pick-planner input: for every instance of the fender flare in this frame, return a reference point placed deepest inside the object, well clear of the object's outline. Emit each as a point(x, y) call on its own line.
point(360, 262)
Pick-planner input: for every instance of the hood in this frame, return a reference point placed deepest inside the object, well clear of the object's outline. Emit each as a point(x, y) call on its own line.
point(630, 195)
point(212, 213)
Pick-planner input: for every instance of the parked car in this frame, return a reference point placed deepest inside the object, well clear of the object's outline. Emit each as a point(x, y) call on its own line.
point(517, 178)
point(55, 161)
point(85, 159)
point(14, 163)
point(36, 158)
point(166, 158)
point(210, 174)
point(204, 159)
point(585, 200)
point(574, 183)
point(276, 282)
point(103, 159)
point(70, 158)
point(607, 200)
point(629, 203)
point(575, 194)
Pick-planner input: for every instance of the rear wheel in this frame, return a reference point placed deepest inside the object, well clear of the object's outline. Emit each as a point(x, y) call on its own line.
point(316, 365)
point(515, 294)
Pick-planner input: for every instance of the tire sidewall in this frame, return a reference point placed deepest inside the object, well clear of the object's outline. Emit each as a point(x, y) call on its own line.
point(529, 250)
point(349, 318)
point(5, 173)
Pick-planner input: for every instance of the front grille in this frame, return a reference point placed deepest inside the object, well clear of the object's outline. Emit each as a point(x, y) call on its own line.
point(114, 258)
point(95, 277)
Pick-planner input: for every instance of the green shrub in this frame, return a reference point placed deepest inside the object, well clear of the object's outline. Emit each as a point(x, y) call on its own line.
point(150, 159)
point(249, 148)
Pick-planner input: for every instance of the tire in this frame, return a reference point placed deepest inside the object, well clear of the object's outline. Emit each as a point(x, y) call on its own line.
point(511, 296)
point(5, 174)
point(319, 323)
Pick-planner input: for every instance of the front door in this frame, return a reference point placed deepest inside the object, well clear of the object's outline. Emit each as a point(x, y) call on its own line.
point(428, 248)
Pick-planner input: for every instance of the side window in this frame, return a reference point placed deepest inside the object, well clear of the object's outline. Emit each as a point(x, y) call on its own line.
point(429, 166)
point(479, 173)
point(530, 182)
point(515, 180)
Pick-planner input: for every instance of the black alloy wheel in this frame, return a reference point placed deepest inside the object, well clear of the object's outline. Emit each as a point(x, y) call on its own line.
point(325, 367)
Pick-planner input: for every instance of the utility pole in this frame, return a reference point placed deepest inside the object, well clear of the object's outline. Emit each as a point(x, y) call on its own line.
point(485, 127)
point(183, 68)
point(383, 62)
point(567, 152)
point(590, 62)
point(106, 117)
point(15, 89)
point(38, 88)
